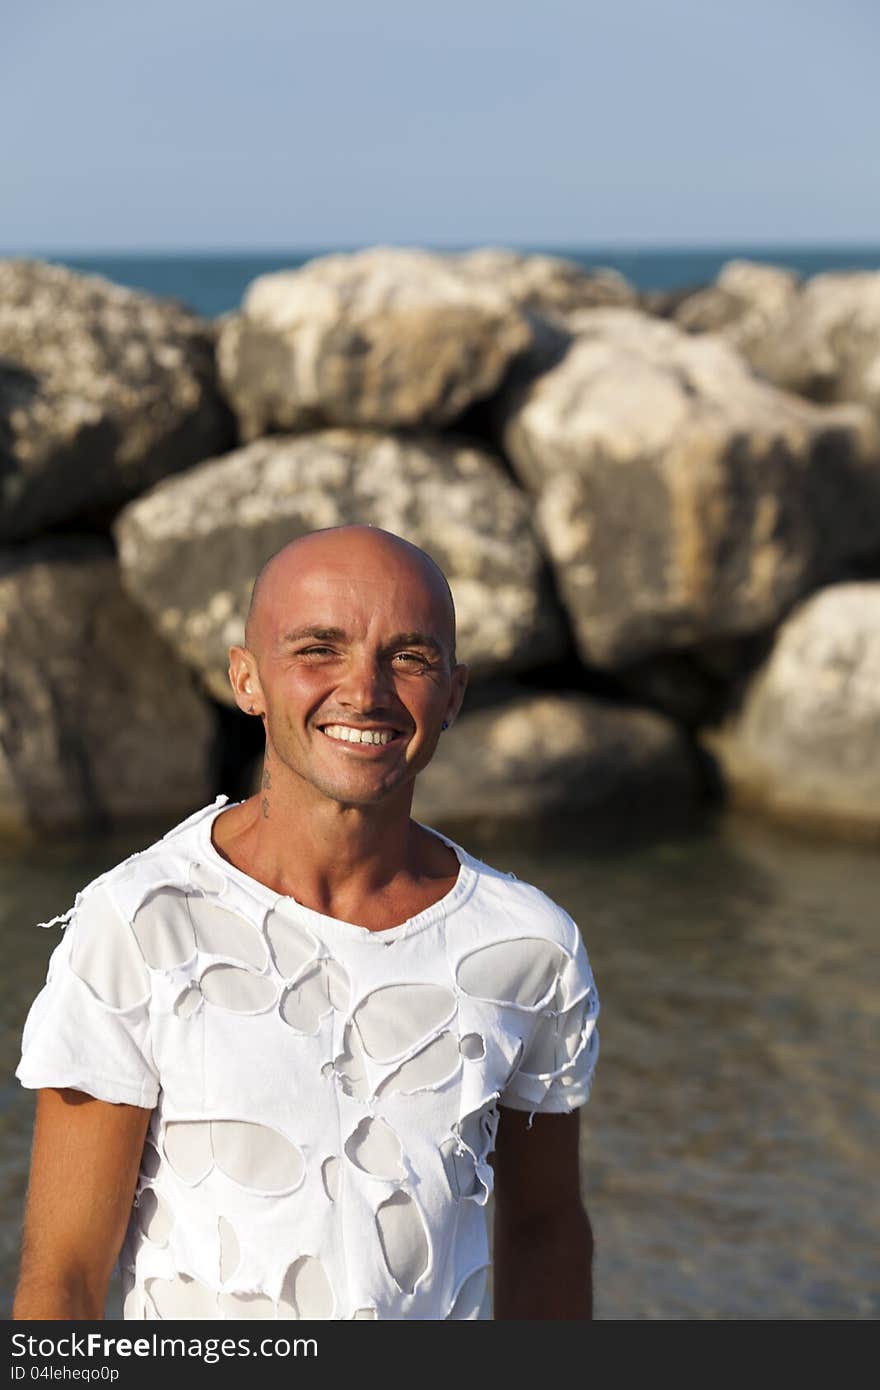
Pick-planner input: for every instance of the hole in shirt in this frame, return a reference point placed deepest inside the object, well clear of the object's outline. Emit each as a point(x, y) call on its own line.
point(236, 990)
point(478, 1127)
point(403, 1238)
point(435, 1063)
point(306, 1292)
point(256, 1156)
point(187, 1003)
point(151, 1161)
point(555, 1040)
point(181, 1297)
point(154, 1217)
point(252, 1155)
point(374, 1148)
point(349, 1066)
point(163, 929)
point(575, 981)
point(461, 1169)
point(246, 1306)
point(291, 945)
point(230, 1251)
point(187, 1145)
point(472, 1047)
point(511, 972)
point(471, 1301)
point(330, 1176)
point(220, 932)
point(116, 973)
point(304, 1004)
point(394, 1018)
point(206, 878)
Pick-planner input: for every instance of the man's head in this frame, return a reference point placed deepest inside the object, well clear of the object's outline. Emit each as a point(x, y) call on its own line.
point(333, 541)
point(350, 628)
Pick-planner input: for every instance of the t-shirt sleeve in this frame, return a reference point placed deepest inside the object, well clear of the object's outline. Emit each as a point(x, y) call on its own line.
point(555, 1071)
point(89, 1026)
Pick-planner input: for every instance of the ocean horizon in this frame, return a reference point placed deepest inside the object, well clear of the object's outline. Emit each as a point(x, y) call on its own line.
point(212, 282)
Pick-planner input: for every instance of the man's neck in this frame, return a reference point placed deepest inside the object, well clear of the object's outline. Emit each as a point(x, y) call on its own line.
point(353, 863)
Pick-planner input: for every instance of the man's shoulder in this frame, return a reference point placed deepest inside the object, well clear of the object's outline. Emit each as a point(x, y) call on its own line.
point(167, 862)
point(519, 905)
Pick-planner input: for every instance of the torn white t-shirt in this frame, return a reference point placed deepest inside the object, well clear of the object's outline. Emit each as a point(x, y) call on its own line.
point(324, 1097)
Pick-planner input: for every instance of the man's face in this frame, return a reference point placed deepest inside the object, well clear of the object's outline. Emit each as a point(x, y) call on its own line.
point(357, 643)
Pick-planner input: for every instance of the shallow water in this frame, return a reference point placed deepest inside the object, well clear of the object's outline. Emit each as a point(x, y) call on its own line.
point(728, 1144)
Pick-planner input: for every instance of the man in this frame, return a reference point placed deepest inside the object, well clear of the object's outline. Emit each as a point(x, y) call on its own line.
point(271, 1048)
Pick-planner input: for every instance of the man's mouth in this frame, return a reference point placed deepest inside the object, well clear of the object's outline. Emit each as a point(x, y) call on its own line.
point(345, 733)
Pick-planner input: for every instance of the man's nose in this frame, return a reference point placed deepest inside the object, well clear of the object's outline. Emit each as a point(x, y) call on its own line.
point(366, 682)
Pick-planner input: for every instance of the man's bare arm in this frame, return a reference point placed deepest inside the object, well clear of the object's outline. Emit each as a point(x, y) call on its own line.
point(543, 1242)
point(84, 1168)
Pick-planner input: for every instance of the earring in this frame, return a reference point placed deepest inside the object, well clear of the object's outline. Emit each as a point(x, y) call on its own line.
point(445, 724)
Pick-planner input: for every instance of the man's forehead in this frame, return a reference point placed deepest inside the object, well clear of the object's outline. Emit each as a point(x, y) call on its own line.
point(324, 579)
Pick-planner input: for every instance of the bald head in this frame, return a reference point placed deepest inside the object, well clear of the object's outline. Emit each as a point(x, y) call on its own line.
point(336, 546)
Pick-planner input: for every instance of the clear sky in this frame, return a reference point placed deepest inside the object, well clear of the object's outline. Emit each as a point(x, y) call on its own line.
point(280, 124)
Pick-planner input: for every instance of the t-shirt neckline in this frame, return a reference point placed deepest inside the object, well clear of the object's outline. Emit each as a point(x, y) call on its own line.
point(435, 912)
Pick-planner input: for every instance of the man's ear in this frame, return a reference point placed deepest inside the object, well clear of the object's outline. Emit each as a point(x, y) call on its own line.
point(245, 681)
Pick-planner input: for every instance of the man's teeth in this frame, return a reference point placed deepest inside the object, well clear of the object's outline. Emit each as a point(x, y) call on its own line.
point(349, 735)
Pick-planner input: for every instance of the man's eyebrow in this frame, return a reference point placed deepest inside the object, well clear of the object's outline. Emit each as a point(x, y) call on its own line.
point(415, 639)
point(337, 634)
point(325, 634)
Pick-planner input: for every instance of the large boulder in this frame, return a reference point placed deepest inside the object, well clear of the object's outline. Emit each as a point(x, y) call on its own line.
point(548, 285)
point(100, 724)
point(803, 742)
point(102, 392)
point(546, 753)
point(747, 302)
point(385, 337)
point(827, 346)
point(680, 499)
point(191, 549)
point(819, 339)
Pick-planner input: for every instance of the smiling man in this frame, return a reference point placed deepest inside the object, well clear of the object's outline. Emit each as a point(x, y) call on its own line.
point(285, 1054)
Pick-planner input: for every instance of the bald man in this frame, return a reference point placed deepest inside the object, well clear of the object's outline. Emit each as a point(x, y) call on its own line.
point(284, 1055)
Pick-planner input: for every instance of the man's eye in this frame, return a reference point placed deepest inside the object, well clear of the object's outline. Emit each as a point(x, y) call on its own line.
point(307, 651)
point(413, 656)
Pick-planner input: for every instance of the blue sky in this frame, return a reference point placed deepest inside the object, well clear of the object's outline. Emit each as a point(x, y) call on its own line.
point(206, 124)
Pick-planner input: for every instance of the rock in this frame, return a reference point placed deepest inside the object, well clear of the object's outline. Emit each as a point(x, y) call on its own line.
point(191, 548)
point(99, 722)
point(546, 753)
point(676, 684)
point(803, 744)
point(664, 304)
point(747, 302)
point(384, 337)
point(820, 340)
point(102, 392)
point(547, 285)
point(679, 498)
point(827, 346)
point(694, 686)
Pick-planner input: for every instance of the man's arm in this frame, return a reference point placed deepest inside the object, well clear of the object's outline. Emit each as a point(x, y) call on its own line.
point(84, 1168)
point(542, 1240)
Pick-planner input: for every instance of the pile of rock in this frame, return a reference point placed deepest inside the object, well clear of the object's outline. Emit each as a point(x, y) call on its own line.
point(656, 525)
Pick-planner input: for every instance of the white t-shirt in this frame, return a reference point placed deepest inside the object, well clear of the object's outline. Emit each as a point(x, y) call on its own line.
point(324, 1097)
